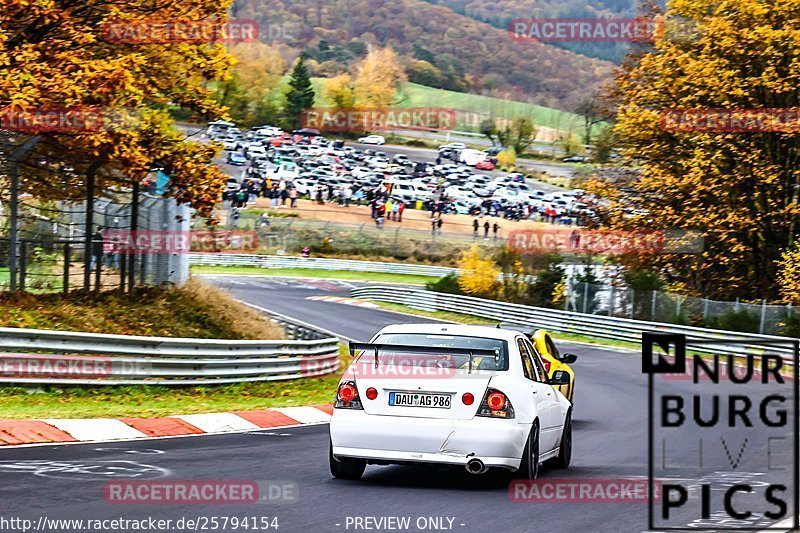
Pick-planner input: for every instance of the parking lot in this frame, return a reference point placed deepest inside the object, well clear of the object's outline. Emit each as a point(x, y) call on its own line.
point(268, 163)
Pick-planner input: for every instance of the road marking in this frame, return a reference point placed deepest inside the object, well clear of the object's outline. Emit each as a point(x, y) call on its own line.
point(95, 428)
point(218, 422)
point(305, 415)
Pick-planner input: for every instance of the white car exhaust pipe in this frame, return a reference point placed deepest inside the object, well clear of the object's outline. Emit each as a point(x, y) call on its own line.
point(476, 466)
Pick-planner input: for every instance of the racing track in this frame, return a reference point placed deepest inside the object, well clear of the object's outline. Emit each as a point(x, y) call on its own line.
point(610, 442)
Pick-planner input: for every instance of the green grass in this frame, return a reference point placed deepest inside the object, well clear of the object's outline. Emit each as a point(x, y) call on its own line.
point(314, 273)
point(152, 401)
point(415, 95)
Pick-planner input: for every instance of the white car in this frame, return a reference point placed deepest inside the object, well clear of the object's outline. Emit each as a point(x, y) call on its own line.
point(372, 139)
point(470, 396)
point(453, 146)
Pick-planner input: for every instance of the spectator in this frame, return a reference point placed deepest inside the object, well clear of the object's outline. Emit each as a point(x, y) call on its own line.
point(284, 196)
point(439, 223)
point(348, 193)
point(495, 229)
point(359, 196)
point(293, 197)
point(389, 206)
point(475, 225)
point(486, 227)
point(433, 225)
point(395, 209)
point(400, 208)
point(97, 248)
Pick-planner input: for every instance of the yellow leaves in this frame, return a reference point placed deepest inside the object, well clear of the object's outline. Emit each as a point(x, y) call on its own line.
point(507, 158)
point(478, 273)
point(789, 275)
point(339, 91)
point(378, 78)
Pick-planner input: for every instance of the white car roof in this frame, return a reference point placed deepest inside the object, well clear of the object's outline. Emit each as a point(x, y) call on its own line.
point(486, 332)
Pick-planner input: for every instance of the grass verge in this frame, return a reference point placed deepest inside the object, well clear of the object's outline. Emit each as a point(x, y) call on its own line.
point(195, 310)
point(314, 273)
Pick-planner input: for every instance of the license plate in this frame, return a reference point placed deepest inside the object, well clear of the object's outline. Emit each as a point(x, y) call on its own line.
point(414, 399)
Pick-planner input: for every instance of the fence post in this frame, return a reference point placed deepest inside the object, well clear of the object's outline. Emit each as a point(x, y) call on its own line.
point(23, 264)
point(763, 316)
point(653, 306)
point(67, 264)
point(611, 302)
point(585, 296)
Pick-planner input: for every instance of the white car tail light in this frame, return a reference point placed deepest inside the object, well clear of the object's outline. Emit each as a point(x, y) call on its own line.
point(495, 404)
point(347, 396)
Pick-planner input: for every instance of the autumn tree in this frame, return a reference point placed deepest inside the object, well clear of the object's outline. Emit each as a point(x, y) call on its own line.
point(789, 275)
point(249, 93)
point(59, 55)
point(737, 188)
point(300, 95)
point(519, 134)
point(378, 78)
point(339, 91)
point(478, 273)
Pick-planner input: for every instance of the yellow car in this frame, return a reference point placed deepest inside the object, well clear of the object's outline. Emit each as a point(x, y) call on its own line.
point(554, 360)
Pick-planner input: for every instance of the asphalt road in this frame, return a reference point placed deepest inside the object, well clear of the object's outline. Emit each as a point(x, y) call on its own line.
point(610, 444)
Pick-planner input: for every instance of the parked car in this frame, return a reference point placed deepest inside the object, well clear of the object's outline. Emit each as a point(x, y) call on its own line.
point(236, 158)
point(372, 139)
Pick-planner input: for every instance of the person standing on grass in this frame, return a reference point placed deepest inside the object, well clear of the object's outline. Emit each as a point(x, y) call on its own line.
point(486, 227)
point(359, 195)
point(475, 225)
point(495, 229)
point(293, 197)
point(400, 208)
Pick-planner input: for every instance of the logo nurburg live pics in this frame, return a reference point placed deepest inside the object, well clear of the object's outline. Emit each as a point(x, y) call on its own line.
point(723, 446)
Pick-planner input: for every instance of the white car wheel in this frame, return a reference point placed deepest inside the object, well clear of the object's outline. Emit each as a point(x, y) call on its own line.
point(529, 466)
point(346, 468)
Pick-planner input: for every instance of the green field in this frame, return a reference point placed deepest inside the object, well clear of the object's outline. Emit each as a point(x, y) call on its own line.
point(476, 107)
point(314, 273)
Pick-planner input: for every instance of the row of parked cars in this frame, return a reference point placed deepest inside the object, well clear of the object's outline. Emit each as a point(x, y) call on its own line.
point(306, 159)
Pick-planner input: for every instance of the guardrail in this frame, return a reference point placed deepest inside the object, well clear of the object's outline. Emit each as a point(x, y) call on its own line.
point(621, 329)
point(281, 261)
point(74, 358)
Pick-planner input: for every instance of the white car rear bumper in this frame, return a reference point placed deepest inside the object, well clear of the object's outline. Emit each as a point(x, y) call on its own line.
point(497, 443)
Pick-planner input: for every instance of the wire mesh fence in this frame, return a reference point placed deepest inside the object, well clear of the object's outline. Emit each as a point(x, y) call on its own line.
point(657, 306)
point(58, 250)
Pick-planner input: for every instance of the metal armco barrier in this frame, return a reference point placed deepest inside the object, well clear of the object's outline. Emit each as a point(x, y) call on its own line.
point(621, 329)
point(279, 261)
point(71, 358)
